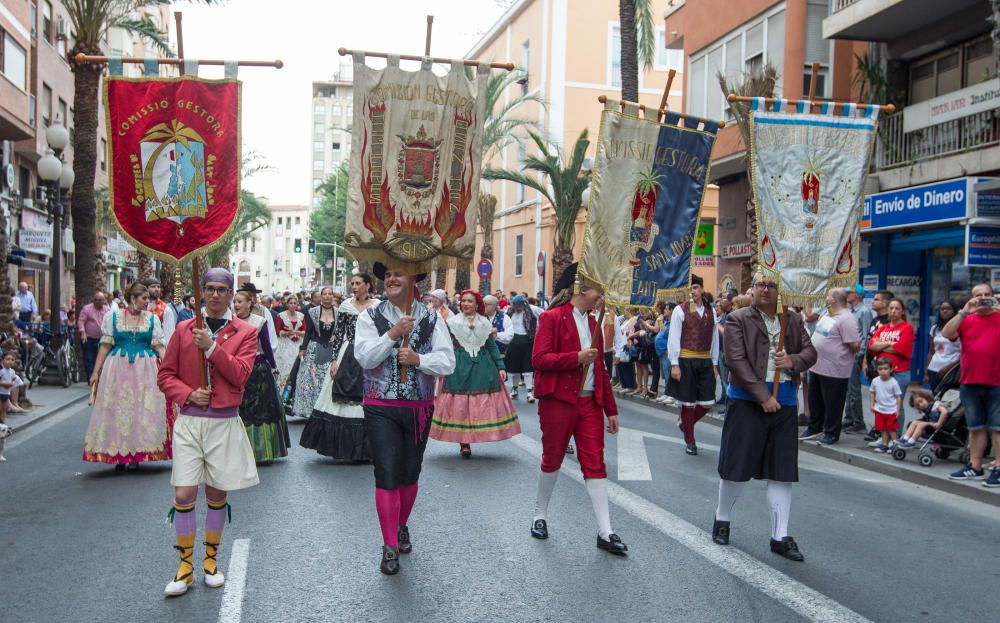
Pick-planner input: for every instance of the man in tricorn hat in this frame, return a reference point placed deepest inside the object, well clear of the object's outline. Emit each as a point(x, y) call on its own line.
point(693, 351)
point(574, 395)
point(403, 349)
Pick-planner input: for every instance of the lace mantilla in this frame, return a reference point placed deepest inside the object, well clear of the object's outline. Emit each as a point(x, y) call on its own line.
point(470, 337)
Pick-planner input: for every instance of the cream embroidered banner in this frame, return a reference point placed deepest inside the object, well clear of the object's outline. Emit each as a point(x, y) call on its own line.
point(809, 175)
point(416, 156)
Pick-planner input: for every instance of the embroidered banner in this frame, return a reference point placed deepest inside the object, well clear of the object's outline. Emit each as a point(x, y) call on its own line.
point(648, 186)
point(416, 155)
point(808, 183)
point(174, 150)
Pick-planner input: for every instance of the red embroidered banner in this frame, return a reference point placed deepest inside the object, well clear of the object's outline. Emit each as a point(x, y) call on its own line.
point(174, 149)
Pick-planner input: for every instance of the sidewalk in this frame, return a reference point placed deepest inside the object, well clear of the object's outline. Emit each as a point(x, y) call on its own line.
point(854, 450)
point(46, 400)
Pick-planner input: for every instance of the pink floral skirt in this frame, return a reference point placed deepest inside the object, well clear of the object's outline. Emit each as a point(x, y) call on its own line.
point(474, 418)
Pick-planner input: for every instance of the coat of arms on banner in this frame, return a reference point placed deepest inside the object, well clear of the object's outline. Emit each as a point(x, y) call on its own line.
point(649, 181)
point(415, 165)
point(174, 150)
point(808, 181)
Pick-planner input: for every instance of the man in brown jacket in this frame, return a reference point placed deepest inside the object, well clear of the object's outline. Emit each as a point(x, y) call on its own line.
point(760, 434)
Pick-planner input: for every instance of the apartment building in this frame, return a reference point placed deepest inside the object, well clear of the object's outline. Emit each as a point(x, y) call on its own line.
point(931, 225)
point(269, 259)
point(731, 38)
point(572, 51)
point(332, 111)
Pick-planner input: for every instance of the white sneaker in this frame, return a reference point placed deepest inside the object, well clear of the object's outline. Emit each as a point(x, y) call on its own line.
point(531, 396)
point(875, 444)
point(215, 580)
point(175, 588)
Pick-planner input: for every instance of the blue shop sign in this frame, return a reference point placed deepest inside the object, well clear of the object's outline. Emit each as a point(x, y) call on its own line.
point(918, 205)
point(982, 245)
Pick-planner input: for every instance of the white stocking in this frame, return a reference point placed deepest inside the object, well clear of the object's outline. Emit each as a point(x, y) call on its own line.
point(779, 500)
point(546, 483)
point(598, 490)
point(729, 492)
point(529, 381)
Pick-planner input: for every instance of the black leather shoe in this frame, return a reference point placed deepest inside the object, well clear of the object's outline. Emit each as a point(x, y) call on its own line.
point(872, 435)
point(539, 529)
point(613, 545)
point(720, 532)
point(691, 449)
point(390, 561)
point(788, 548)
point(403, 536)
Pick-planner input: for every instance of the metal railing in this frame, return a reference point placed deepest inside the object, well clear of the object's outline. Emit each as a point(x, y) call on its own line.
point(837, 5)
point(897, 148)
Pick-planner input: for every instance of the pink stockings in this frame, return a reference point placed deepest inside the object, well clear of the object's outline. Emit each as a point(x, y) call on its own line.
point(394, 506)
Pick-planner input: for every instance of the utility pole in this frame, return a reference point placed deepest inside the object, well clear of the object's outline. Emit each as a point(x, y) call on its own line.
point(335, 247)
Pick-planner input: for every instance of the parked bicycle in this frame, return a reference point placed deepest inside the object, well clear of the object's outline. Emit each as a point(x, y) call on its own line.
point(40, 358)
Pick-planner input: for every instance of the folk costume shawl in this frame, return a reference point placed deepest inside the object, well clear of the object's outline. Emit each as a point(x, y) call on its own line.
point(470, 337)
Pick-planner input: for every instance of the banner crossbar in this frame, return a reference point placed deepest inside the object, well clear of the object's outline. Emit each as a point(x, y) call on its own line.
point(135, 60)
point(434, 59)
point(622, 103)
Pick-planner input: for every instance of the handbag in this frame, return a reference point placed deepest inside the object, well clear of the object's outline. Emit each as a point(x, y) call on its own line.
point(348, 382)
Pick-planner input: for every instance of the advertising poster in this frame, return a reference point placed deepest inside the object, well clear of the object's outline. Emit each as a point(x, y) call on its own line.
point(907, 289)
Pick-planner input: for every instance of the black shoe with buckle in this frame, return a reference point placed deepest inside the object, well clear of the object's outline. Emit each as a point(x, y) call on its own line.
point(613, 545)
point(691, 449)
point(403, 536)
point(390, 560)
point(539, 529)
point(720, 532)
point(788, 548)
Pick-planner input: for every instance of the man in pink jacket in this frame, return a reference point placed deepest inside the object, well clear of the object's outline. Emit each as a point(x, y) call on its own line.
point(210, 445)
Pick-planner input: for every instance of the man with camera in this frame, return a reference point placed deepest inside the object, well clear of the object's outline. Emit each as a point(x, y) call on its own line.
point(978, 326)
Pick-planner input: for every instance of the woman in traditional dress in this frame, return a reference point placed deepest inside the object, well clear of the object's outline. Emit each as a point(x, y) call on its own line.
point(315, 353)
point(129, 422)
point(291, 329)
point(524, 320)
point(261, 410)
point(472, 405)
point(336, 427)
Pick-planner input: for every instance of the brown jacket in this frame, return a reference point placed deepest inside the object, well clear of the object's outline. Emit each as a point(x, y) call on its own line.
point(747, 347)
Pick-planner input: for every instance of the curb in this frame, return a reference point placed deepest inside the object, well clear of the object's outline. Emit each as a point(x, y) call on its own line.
point(48, 412)
point(977, 493)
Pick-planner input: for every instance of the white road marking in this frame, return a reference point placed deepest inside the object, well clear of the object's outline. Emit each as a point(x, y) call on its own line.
point(804, 600)
point(236, 580)
point(36, 429)
point(633, 462)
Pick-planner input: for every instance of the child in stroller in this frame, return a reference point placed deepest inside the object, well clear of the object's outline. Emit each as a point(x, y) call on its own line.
point(942, 422)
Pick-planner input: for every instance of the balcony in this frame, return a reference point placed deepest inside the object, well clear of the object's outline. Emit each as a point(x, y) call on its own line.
point(888, 20)
point(898, 148)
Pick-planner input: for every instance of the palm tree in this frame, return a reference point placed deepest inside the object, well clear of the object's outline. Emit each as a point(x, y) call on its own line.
point(562, 185)
point(638, 42)
point(90, 21)
point(757, 83)
point(501, 129)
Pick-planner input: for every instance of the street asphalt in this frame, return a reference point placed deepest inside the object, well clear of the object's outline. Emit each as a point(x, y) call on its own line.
point(82, 542)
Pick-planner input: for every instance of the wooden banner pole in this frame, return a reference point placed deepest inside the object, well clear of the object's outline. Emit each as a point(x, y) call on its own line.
point(666, 94)
point(783, 318)
point(427, 40)
point(604, 99)
point(598, 330)
point(812, 82)
point(134, 60)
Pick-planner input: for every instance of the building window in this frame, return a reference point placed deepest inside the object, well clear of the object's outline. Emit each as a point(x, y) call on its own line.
point(46, 106)
point(288, 224)
point(319, 108)
point(350, 110)
point(337, 110)
point(63, 113)
point(518, 255)
point(280, 221)
point(316, 202)
point(47, 21)
point(253, 248)
point(61, 38)
point(104, 154)
point(317, 165)
point(319, 128)
point(817, 49)
point(14, 62)
point(318, 146)
point(666, 59)
point(32, 110)
point(317, 183)
point(980, 63)
point(34, 20)
point(335, 146)
point(952, 69)
point(615, 56)
point(525, 65)
point(298, 220)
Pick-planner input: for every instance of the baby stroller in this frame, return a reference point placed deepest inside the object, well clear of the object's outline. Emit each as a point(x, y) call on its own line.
point(953, 435)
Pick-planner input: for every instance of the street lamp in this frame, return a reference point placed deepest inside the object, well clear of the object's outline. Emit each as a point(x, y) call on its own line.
point(57, 176)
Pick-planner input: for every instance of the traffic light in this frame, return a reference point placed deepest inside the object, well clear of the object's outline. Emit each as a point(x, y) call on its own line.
point(312, 245)
point(298, 245)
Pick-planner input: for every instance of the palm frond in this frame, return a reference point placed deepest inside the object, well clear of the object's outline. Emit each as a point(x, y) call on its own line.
point(645, 32)
point(145, 28)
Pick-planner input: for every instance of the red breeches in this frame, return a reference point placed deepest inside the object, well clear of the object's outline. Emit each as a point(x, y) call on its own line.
point(584, 422)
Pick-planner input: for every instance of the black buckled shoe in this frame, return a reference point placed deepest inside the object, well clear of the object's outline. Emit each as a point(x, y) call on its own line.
point(720, 532)
point(788, 548)
point(403, 536)
point(539, 529)
point(390, 560)
point(691, 449)
point(613, 545)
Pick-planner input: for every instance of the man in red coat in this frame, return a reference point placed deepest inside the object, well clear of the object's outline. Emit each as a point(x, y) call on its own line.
point(210, 445)
point(574, 394)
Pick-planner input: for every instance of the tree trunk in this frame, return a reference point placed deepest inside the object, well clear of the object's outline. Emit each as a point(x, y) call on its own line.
point(86, 83)
point(167, 277)
point(463, 278)
point(995, 32)
point(629, 51)
point(487, 209)
point(561, 258)
point(146, 269)
point(100, 267)
point(441, 278)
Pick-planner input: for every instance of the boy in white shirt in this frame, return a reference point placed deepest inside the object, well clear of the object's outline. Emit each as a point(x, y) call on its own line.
point(8, 378)
point(887, 404)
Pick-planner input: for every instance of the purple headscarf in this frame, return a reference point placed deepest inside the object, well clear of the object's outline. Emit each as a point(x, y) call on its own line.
point(218, 275)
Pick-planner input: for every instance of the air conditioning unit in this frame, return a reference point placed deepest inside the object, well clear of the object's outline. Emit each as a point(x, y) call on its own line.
point(62, 31)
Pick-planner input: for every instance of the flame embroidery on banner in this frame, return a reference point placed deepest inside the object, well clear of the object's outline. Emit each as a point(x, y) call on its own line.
point(845, 263)
point(452, 227)
point(767, 252)
point(379, 213)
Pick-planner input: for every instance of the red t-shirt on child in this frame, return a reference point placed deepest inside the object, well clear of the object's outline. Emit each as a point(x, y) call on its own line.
point(980, 336)
point(901, 338)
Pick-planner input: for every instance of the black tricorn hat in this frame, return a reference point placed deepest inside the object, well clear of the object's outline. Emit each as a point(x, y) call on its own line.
point(697, 281)
point(567, 279)
point(380, 269)
point(249, 287)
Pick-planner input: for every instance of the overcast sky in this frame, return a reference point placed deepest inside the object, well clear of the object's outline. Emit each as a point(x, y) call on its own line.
point(305, 34)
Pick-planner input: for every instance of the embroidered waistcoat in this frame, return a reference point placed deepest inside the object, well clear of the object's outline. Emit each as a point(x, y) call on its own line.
point(384, 381)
